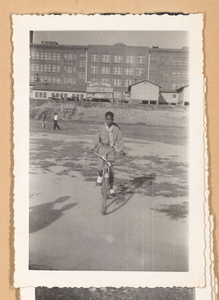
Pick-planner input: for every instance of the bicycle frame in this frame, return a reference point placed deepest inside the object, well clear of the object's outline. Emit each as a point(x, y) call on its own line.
point(105, 183)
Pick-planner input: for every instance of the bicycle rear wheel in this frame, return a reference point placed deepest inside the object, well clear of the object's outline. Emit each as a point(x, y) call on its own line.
point(105, 188)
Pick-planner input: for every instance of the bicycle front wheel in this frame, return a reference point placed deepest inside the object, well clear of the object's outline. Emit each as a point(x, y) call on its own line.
point(105, 188)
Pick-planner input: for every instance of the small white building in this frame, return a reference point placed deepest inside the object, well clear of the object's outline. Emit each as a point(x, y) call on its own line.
point(184, 95)
point(145, 92)
point(168, 97)
point(44, 91)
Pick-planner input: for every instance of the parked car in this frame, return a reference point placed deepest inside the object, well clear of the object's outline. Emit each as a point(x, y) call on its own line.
point(124, 101)
point(72, 99)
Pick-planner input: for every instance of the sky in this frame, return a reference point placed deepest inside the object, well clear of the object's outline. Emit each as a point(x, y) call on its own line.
point(163, 39)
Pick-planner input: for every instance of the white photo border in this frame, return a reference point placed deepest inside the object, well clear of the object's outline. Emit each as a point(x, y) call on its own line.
point(23, 276)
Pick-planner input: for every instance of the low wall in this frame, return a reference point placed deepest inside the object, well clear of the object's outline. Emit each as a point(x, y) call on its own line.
point(124, 113)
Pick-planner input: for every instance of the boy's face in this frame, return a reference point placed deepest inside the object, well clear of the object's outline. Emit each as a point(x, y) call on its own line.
point(109, 120)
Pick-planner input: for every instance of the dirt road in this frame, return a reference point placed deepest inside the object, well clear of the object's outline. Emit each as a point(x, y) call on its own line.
point(146, 226)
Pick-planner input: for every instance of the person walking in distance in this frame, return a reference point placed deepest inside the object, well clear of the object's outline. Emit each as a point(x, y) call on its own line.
point(56, 122)
point(43, 120)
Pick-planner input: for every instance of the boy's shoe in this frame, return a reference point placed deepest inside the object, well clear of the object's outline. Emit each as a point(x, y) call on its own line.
point(99, 181)
point(112, 192)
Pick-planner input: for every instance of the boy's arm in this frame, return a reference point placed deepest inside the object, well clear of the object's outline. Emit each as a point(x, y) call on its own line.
point(96, 140)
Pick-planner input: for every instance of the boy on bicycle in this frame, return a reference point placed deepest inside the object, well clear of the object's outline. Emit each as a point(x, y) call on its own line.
point(104, 142)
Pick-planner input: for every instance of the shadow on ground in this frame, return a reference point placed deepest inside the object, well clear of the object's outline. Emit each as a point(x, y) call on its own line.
point(125, 191)
point(43, 215)
point(175, 211)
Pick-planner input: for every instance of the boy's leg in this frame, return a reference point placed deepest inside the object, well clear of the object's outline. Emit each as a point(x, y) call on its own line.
point(100, 172)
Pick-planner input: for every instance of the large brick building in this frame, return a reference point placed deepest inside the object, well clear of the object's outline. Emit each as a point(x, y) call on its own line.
point(69, 68)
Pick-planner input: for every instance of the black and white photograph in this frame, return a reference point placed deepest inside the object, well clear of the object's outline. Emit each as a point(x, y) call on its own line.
point(110, 293)
point(110, 148)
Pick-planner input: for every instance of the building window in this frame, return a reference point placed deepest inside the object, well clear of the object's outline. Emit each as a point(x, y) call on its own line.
point(161, 83)
point(106, 58)
point(117, 94)
point(130, 59)
point(49, 55)
point(58, 68)
point(58, 56)
point(54, 56)
point(37, 55)
point(41, 55)
point(65, 56)
point(82, 75)
point(53, 94)
point(140, 71)
point(82, 55)
point(74, 57)
point(153, 58)
point(127, 82)
point(164, 73)
point(178, 74)
point(82, 63)
point(58, 80)
point(105, 70)
point(69, 80)
point(174, 73)
point(128, 71)
point(153, 66)
point(117, 70)
point(32, 78)
point(69, 69)
point(173, 85)
point(141, 59)
point(73, 80)
point(49, 68)
point(164, 60)
point(53, 68)
point(177, 61)
point(45, 79)
point(53, 79)
point(44, 95)
point(70, 57)
point(152, 78)
point(40, 94)
point(49, 79)
point(118, 59)
point(32, 54)
point(94, 70)
point(41, 68)
point(45, 68)
point(95, 58)
point(107, 80)
point(37, 67)
point(36, 94)
point(32, 67)
point(117, 82)
point(74, 69)
point(45, 56)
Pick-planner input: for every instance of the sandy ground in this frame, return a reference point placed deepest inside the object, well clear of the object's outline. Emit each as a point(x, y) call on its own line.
point(146, 226)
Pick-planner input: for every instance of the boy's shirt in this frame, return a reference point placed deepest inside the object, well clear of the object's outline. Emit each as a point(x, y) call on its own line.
point(102, 136)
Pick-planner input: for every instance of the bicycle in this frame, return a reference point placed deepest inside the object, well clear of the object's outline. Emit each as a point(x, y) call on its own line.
point(106, 177)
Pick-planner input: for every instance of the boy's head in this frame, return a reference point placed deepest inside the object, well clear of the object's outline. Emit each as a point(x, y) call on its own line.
point(109, 117)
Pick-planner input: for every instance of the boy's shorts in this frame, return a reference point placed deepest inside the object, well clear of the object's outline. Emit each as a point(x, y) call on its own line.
point(103, 151)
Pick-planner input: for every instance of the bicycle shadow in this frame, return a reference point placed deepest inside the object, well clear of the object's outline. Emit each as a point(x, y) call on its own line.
point(45, 214)
point(126, 191)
